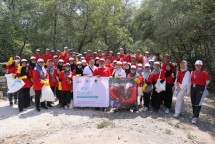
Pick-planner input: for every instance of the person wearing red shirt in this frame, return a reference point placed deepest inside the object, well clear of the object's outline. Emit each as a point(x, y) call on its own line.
point(65, 55)
point(139, 57)
point(182, 83)
point(108, 64)
point(99, 53)
point(37, 55)
point(133, 60)
point(166, 60)
point(102, 71)
point(24, 92)
point(58, 53)
point(119, 58)
point(199, 82)
point(122, 55)
point(89, 56)
point(111, 56)
point(128, 56)
point(47, 55)
point(156, 98)
point(170, 78)
point(40, 78)
point(12, 67)
point(66, 78)
point(106, 53)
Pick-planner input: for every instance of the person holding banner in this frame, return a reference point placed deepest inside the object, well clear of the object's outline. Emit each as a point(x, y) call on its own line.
point(119, 72)
point(78, 70)
point(102, 71)
point(199, 82)
point(12, 66)
point(40, 78)
point(156, 98)
point(24, 92)
point(66, 78)
point(88, 70)
point(182, 83)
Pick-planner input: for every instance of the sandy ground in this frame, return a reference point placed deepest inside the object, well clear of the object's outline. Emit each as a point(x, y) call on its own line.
point(87, 126)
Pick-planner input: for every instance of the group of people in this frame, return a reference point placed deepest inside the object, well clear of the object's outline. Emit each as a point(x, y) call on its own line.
point(57, 69)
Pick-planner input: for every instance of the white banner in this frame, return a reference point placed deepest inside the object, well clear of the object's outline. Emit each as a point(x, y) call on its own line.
point(91, 91)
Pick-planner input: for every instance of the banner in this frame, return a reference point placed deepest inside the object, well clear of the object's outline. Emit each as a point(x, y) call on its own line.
point(91, 91)
point(123, 93)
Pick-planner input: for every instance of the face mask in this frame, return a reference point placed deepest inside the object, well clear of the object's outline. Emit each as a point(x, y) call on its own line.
point(16, 61)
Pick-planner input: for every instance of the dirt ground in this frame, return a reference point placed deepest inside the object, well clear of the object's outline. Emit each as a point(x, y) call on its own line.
point(87, 126)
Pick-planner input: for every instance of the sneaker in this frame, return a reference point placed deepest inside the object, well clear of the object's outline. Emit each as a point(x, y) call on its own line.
point(176, 115)
point(166, 111)
point(66, 107)
point(15, 102)
point(164, 108)
point(144, 109)
point(194, 120)
point(11, 103)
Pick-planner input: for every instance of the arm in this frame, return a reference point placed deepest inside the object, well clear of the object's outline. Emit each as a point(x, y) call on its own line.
point(186, 81)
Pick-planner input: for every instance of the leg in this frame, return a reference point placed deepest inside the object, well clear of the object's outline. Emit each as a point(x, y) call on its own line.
point(158, 100)
point(63, 96)
point(198, 101)
point(153, 96)
point(27, 97)
point(147, 99)
point(10, 96)
point(21, 99)
point(15, 97)
point(168, 96)
point(179, 106)
point(68, 97)
point(37, 99)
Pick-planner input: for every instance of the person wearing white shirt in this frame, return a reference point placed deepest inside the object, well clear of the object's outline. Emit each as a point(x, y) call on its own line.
point(88, 70)
point(119, 72)
point(146, 58)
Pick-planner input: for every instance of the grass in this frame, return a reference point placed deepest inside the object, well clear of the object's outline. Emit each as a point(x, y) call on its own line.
point(105, 124)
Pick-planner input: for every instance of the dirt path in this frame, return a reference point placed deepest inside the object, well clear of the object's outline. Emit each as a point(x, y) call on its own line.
point(57, 125)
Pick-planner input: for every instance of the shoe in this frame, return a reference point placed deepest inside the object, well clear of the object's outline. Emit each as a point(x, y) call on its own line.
point(116, 110)
point(145, 109)
point(135, 110)
point(66, 107)
point(167, 111)
point(15, 102)
point(11, 103)
point(45, 107)
point(38, 109)
point(49, 105)
point(176, 115)
point(20, 110)
point(194, 120)
point(164, 108)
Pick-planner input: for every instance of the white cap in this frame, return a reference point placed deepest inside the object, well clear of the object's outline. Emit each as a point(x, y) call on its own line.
point(71, 59)
point(124, 62)
point(157, 63)
point(115, 84)
point(83, 61)
point(119, 63)
point(40, 60)
point(121, 49)
point(147, 65)
point(198, 62)
point(183, 61)
point(97, 58)
point(82, 58)
point(146, 52)
point(133, 67)
point(118, 53)
point(23, 60)
point(102, 59)
point(32, 57)
point(79, 63)
point(139, 65)
point(60, 60)
point(151, 60)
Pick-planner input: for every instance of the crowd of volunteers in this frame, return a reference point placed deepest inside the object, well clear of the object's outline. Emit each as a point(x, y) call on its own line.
point(57, 68)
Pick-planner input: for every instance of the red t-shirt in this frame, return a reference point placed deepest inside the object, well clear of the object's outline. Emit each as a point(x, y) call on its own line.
point(37, 56)
point(180, 76)
point(64, 79)
point(156, 76)
point(104, 72)
point(128, 58)
point(110, 67)
point(37, 85)
point(199, 78)
point(46, 57)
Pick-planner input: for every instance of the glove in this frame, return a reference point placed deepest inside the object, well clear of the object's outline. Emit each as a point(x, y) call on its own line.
point(14, 75)
point(45, 82)
point(23, 77)
point(59, 85)
point(110, 77)
point(9, 61)
point(144, 87)
point(137, 80)
point(117, 77)
point(76, 60)
point(19, 69)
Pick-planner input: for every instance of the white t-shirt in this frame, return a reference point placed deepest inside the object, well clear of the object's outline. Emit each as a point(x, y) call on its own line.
point(88, 72)
point(120, 73)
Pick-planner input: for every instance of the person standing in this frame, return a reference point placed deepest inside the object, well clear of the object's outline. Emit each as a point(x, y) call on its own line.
point(102, 70)
point(24, 92)
point(40, 78)
point(199, 82)
point(66, 78)
point(167, 97)
point(119, 72)
point(182, 83)
point(88, 70)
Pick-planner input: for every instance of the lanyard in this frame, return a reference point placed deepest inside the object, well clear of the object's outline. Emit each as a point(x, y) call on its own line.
point(195, 75)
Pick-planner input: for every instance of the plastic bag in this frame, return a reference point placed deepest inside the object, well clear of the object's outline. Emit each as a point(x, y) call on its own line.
point(160, 86)
point(47, 94)
point(13, 84)
point(32, 91)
